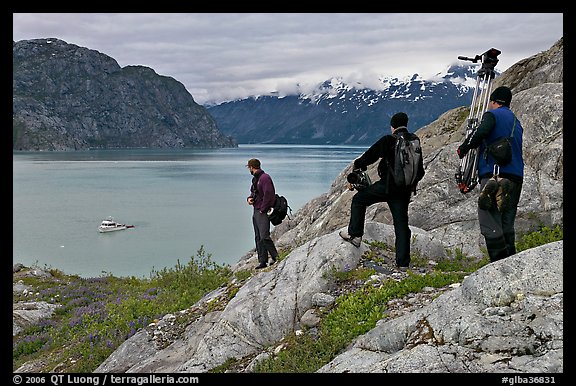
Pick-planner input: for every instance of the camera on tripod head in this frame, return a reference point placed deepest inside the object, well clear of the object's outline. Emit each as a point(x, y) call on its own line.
point(489, 60)
point(358, 180)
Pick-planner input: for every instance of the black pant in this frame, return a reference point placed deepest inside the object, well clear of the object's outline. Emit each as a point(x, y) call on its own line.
point(398, 204)
point(498, 227)
point(264, 243)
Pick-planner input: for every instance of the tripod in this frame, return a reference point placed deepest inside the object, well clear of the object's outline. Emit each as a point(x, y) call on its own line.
point(467, 173)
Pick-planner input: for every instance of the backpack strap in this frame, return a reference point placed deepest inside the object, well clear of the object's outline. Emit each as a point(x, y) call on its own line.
point(388, 177)
point(513, 127)
point(255, 184)
point(395, 135)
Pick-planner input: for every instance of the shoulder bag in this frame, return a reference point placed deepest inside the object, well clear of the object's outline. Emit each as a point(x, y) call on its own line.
point(501, 148)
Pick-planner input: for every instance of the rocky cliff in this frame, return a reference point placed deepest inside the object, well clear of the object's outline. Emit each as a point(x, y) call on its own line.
point(67, 97)
point(506, 317)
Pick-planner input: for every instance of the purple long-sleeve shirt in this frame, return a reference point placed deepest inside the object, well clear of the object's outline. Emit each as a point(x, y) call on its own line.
point(263, 193)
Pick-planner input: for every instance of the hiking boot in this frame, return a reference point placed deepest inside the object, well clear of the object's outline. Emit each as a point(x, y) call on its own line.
point(273, 261)
point(354, 240)
point(503, 194)
point(261, 266)
point(486, 198)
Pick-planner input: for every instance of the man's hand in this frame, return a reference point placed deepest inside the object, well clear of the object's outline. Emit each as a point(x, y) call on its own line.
point(250, 201)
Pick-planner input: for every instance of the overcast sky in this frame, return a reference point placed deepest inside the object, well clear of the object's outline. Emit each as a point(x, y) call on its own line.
point(225, 56)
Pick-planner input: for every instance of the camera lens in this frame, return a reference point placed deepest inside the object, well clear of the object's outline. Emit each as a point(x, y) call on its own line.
point(353, 178)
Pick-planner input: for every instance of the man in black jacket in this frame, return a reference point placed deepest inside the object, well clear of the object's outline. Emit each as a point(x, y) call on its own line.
point(384, 190)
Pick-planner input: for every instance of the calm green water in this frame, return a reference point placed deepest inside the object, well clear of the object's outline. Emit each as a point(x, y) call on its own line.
point(178, 201)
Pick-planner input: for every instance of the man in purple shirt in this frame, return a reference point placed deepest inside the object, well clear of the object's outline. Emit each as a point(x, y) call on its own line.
point(262, 198)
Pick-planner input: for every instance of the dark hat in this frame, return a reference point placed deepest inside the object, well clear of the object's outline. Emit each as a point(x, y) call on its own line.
point(399, 119)
point(254, 163)
point(502, 95)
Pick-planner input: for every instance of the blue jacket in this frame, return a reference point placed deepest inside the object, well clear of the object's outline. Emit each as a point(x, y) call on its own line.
point(498, 123)
point(506, 121)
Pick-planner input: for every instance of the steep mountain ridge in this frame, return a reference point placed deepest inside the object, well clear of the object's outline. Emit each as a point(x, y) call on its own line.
point(67, 97)
point(339, 113)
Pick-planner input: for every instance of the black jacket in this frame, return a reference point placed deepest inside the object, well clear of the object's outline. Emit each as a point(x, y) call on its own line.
point(383, 149)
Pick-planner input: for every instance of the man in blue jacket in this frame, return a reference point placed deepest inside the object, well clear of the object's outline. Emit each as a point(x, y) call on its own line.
point(262, 198)
point(500, 185)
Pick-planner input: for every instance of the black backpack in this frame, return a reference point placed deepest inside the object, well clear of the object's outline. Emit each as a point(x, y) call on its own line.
point(279, 211)
point(407, 160)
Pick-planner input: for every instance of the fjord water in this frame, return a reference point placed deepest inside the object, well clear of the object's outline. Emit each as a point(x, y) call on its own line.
point(178, 201)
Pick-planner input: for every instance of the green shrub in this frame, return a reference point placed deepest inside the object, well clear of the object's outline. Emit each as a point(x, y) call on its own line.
point(99, 314)
point(542, 236)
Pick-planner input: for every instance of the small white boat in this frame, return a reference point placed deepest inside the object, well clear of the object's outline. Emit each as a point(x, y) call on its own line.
point(110, 226)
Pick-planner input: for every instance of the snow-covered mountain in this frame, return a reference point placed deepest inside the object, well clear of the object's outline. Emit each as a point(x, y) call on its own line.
point(339, 113)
